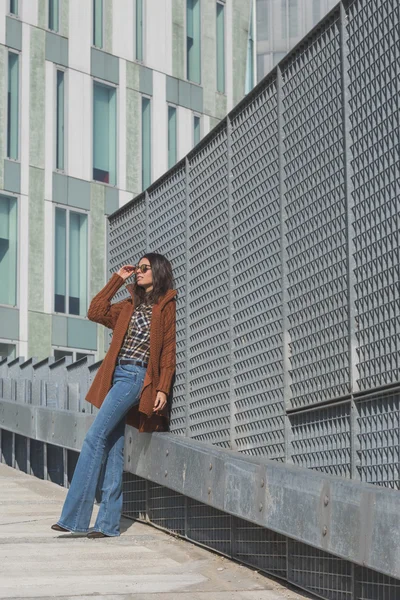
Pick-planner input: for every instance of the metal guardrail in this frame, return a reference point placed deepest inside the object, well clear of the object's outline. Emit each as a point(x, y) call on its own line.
point(356, 522)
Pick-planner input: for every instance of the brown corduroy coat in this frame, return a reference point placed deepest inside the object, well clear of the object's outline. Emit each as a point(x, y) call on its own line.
point(162, 361)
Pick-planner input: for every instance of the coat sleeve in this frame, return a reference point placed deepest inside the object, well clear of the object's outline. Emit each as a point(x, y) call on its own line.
point(168, 352)
point(101, 310)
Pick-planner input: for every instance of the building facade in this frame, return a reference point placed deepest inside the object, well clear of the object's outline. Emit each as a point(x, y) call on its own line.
point(98, 98)
point(280, 24)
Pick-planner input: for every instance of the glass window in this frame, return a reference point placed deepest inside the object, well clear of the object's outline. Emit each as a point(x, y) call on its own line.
point(284, 17)
point(8, 250)
point(262, 12)
point(104, 134)
point(139, 29)
point(7, 351)
point(14, 7)
point(98, 23)
point(250, 55)
point(13, 105)
point(74, 354)
point(316, 11)
point(220, 47)
point(60, 121)
point(59, 354)
point(293, 18)
point(71, 262)
point(54, 6)
point(171, 136)
point(193, 40)
point(196, 130)
point(146, 143)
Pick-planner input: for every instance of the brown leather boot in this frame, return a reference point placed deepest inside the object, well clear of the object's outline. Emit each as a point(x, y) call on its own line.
point(57, 527)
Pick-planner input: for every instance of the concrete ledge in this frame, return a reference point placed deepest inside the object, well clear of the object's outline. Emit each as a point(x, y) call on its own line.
point(342, 517)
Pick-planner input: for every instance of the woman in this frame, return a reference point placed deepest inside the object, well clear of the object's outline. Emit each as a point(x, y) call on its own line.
point(131, 386)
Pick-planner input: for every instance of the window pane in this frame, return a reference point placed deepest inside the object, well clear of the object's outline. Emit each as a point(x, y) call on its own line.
point(193, 40)
point(60, 121)
point(80, 355)
point(12, 108)
point(14, 7)
point(7, 351)
point(293, 18)
point(139, 29)
point(78, 260)
point(60, 260)
point(104, 134)
point(250, 56)
point(53, 14)
point(196, 130)
point(8, 250)
point(316, 11)
point(146, 143)
point(171, 136)
point(98, 23)
point(262, 13)
point(284, 17)
point(220, 47)
point(58, 354)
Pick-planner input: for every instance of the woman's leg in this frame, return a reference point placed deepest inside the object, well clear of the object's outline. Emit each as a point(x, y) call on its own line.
point(109, 514)
point(78, 505)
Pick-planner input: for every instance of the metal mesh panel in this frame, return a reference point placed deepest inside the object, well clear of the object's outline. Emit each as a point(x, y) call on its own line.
point(315, 202)
point(166, 508)
point(7, 447)
point(257, 295)
point(209, 526)
point(167, 235)
point(260, 547)
point(209, 347)
point(321, 439)
point(319, 572)
point(379, 437)
point(371, 585)
point(374, 39)
point(127, 237)
point(134, 496)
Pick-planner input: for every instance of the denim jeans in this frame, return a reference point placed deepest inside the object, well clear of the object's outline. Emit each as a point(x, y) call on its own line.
point(99, 469)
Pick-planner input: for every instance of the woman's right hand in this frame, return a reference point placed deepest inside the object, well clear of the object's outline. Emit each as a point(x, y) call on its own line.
point(126, 271)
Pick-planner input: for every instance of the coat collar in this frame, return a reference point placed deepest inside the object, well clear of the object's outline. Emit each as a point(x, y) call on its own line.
point(168, 296)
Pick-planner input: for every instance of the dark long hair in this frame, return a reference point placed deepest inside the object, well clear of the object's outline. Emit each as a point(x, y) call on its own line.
point(163, 279)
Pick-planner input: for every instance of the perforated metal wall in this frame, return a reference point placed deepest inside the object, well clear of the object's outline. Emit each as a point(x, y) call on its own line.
point(283, 229)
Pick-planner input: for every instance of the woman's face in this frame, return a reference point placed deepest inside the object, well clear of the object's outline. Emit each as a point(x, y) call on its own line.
point(145, 280)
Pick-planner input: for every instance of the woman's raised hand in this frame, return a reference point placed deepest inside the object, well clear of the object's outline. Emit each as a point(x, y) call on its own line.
point(126, 271)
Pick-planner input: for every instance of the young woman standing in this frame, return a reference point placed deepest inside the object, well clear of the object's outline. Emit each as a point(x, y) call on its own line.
point(131, 386)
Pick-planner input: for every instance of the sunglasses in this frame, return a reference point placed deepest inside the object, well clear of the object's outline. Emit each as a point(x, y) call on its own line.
point(142, 268)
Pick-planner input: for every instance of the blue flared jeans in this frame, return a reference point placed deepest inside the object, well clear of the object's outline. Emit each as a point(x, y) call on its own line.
point(98, 472)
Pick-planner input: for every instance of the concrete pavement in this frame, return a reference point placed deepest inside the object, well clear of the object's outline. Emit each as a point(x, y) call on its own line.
point(143, 563)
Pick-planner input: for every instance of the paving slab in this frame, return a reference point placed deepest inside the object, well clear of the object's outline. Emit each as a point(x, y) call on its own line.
point(143, 563)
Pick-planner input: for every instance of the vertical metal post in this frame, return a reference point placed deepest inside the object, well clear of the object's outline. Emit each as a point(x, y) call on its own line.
point(65, 467)
point(232, 409)
point(146, 203)
point(28, 456)
point(45, 475)
point(285, 319)
point(187, 323)
point(13, 450)
point(351, 293)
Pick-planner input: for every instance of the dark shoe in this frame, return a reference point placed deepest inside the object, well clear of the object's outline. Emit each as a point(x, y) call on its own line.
point(57, 527)
point(96, 534)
